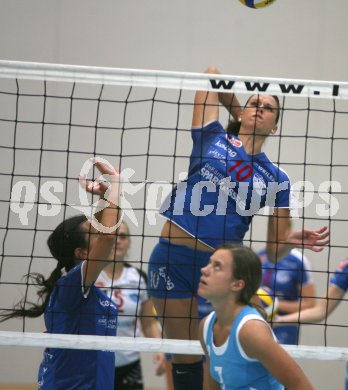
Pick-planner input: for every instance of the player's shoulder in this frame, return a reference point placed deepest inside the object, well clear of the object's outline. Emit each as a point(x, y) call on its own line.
point(296, 254)
point(251, 325)
point(204, 325)
point(298, 258)
point(343, 266)
point(134, 273)
point(73, 274)
point(263, 255)
point(206, 133)
point(279, 173)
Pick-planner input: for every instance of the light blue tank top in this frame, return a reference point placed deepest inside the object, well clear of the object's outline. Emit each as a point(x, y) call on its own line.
point(229, 365)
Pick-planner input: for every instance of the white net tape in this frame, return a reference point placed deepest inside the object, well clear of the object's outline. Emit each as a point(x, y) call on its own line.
point(149, 345)
point(176, 80)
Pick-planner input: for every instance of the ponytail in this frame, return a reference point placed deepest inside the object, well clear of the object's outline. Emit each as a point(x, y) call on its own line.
point(62, 243)
point(233, 127)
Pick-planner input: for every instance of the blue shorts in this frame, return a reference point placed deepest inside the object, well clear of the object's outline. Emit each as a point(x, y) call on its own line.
point(174, 270)
point(287, 334)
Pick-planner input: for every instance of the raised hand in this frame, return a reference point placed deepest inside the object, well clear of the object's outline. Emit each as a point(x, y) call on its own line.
point(107, 186)
point(315, 239)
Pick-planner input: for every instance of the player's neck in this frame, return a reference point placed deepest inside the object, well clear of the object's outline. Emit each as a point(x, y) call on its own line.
point(224, 323)
point(252, 144)
point(227, 312)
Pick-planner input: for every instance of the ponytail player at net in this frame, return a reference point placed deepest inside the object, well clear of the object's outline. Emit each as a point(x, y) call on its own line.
point(71, 303)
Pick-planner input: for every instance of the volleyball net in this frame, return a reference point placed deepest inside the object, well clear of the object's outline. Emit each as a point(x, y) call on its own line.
point(53, 118)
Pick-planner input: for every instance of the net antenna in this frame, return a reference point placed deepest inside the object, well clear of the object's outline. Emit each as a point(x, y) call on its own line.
point(55, 117)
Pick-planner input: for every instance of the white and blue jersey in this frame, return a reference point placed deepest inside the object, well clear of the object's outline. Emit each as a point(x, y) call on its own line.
point(225, 187)
point(229, 364)
point(340, 277)
point(129, 293)
point(71, 311)
point(285, 279)
point(340, 280)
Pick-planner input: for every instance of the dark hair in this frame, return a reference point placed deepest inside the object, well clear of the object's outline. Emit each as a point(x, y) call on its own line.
point(246, 266)
point(62, 242)
point(233, 127)
point(276, 98)
point(65, 238)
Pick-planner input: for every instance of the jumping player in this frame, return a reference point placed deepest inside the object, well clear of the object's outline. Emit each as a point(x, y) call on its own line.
point(229, 180)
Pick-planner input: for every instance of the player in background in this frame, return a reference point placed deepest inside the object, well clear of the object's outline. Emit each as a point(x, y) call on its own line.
point(126, 286)
point(325, 306)
point(291, 282)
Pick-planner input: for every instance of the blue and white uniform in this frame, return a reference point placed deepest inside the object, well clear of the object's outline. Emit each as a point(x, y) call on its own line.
point(225, 187)
point(229, 364)
point(72, 311)
point(340, 280)
point(285, 279)
point(128, 292)
point(340, 277)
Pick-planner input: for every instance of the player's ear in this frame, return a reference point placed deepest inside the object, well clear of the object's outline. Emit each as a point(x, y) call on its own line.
point(274, 130)
point(237, 285)
point(80, 254)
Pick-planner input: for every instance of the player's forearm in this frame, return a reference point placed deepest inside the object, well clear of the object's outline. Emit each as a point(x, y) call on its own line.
point(277, 245)
point(152, 330)
point(231, 103)
point(314, 314)
point(295, 306)
point(228, 100)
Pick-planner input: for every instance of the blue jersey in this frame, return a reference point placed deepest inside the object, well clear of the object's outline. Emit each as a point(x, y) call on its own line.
point(128, 292)
point(340, 280)
point(70, 311)
point(204, 307)
point(229, 364)
point(340, 277)
point(285, 278)
point(225, 187)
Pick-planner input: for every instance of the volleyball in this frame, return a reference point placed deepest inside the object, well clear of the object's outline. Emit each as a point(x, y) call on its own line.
point(269, 302)
point(257, 3)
